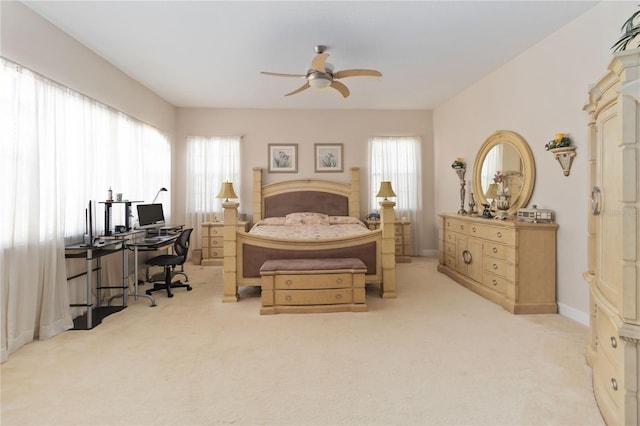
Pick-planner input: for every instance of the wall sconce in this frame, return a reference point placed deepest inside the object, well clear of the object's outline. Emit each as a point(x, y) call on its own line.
point(385, 190)
point(226, 192)
point(563, 151)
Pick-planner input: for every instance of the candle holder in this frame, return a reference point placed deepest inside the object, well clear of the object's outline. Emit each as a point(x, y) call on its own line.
point(472, 204)
point(460, 172)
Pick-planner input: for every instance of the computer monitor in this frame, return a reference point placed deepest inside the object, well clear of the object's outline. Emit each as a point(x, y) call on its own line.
point(150, 214)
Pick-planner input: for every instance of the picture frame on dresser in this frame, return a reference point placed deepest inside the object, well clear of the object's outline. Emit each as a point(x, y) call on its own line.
point(328, 157)
point(283, 158)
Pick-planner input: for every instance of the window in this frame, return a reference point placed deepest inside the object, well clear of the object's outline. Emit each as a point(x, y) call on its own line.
point(60, 149)
point(397, 159)
point(211, 160)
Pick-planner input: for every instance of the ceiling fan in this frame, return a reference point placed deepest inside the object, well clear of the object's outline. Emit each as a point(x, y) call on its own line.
point(321, 74)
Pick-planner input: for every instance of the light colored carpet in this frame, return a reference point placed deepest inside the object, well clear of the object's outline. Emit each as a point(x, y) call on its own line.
point(439, 354)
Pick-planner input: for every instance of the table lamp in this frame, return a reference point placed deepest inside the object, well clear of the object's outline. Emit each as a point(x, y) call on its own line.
point(385, 190)
point(226, 191)
point(163, 189)
point(492, 191)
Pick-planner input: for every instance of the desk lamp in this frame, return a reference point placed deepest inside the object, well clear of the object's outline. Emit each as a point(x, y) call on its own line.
point(385, 190)
point(226, 191)
point(163, 189)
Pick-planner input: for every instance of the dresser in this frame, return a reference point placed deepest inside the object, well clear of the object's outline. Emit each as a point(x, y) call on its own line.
point(212, 242)
point(613, 261)
point(402, 230)
point(510, 263)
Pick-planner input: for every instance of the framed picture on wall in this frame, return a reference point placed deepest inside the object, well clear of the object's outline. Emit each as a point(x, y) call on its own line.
point(328, 157)
point(283, 158)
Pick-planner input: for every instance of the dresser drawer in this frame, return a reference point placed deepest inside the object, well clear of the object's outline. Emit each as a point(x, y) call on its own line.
point(608, 341)
point(458, 226)
point(499, 251)
point(215, 252)
point(495, 282)
point(608, 382)
point(215, 231)
point(317, 281)
point(313, 297)
point(498, 267)
point(451, 237)
point(216, 241)
point(450, 261)
point(501, 235)
point(449, 249)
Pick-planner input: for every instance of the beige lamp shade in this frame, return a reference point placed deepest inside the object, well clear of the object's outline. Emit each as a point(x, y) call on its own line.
point(492, 191)
point(386, 190)
point(226, 191)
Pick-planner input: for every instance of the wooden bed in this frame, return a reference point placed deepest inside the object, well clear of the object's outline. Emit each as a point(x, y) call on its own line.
point(245, 253)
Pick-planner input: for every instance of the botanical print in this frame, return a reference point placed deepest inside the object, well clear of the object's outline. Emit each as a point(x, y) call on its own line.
point(328, 157)
point(283, 158)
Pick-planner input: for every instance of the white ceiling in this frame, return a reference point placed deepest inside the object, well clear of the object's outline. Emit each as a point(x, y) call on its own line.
point(210, 53)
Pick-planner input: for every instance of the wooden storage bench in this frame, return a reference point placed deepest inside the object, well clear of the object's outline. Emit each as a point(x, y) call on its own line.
point(313, 285)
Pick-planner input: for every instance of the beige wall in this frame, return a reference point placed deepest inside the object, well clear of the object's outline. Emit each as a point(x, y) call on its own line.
point(537, 94)
point(305, 128)
point(31, 41)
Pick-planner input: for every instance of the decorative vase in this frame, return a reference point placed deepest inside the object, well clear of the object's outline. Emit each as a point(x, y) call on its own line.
point(502, 203)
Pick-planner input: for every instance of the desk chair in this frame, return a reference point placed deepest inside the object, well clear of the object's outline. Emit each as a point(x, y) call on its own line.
point(170, 262)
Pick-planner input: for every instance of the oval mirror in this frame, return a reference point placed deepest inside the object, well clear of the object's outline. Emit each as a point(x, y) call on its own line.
point(508, 153)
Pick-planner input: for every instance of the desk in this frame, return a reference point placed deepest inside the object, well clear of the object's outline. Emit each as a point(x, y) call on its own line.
point(148, 244)
point(92, 253)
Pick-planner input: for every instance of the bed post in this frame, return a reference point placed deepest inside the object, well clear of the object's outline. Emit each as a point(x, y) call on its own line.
point(257, 194)
point(354, 197)
point(387, 224)
point(230, 238)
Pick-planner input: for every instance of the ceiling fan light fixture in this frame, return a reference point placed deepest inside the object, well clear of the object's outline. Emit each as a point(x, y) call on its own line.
point(319, 81)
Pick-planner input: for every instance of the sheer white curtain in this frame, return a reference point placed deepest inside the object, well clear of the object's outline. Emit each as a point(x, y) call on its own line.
point(211, 160)
point(59, 150)
point(397, 159)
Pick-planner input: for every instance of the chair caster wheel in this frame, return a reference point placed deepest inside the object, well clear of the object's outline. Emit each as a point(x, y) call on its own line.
point(170, 295)
point(189, 288)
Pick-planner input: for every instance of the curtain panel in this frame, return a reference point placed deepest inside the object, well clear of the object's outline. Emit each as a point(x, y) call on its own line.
point(60, 150)
point(211, 160)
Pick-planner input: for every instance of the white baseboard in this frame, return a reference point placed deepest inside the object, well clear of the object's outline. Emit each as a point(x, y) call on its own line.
point(574, 314)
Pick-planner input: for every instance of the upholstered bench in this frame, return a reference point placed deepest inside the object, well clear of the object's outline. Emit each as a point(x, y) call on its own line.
point(313, 285)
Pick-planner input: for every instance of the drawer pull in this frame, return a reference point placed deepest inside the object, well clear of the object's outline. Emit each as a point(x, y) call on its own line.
point(614, 342)
point(499, 234)
point(287, 298)
point(339, 281)
point(614, 384)
point(288, 282)
point(495, 266)
point(473, 229)
point(462, 227)
point(466, 256)
point(494, 282)
point(338, 296)
point(495, 249)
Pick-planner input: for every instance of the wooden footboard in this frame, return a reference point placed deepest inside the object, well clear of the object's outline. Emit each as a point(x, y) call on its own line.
point(244, 253)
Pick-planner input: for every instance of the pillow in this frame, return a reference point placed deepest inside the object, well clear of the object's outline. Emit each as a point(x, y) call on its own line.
point(306, 218)
point(274, 221)
point(344, 220)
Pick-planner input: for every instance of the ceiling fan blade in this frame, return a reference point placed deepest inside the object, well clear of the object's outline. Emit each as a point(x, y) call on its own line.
point(277, 74)
point(357, 72)
point(340, 88)
point(299, 89)
point(318, 62)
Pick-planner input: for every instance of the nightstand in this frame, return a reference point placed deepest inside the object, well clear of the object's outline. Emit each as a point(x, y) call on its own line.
point(403, 238)
point(213, 241)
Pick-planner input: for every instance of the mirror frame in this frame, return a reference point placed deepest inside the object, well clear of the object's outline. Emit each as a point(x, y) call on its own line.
point(528, 167)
